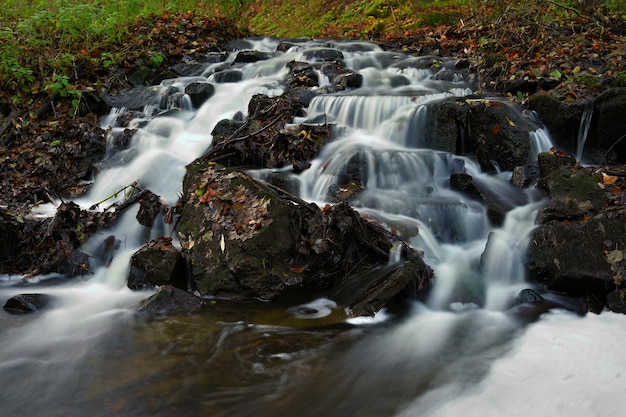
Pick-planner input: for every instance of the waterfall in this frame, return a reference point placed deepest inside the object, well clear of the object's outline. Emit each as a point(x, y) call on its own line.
point(583, 129)
point(438, 359)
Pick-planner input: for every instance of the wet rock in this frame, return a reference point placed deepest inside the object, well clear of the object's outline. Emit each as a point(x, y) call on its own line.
point(199, 92)
point(155, 264)
point(301, 75)
point(577, 249)
point(605, 143)
point(169, 300)
point(225, 128)
point(263, 141)
point(133, 99)
point(348, 80)
point(616, 301)
point(26, 303)
point(106, 250)
point(495, 132)
point(246, 241)
point(252, 56)
point(573, 190)
point(322, 54)
point(529, 305)
point(228, 76)
point(525, 176)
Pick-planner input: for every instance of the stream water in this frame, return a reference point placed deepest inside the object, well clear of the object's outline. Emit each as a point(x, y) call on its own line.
point(457, 353)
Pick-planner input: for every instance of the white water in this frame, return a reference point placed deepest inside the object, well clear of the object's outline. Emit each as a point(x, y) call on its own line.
point(583, 129)
point(457, 353)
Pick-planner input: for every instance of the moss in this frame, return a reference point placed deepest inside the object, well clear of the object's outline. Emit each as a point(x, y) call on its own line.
point(579, 187)
point(620, 80)
point(589, 81)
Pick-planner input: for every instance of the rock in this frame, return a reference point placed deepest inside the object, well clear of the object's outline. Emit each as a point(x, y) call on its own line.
point(301, 75)
point(497, 133)
point(616, 301)
point(169, 299)
point(605, 142)
point(247, 242)
point(252, 56)
point(199, 92)
point(577, 249)
point(322, 54)
point(133, 99)
point(348, 79)
point(157, 263)
point(262, 140)
point(26, 303)
point(529, 305)
point(573, 190)
point(228, 76)
point(525, 176)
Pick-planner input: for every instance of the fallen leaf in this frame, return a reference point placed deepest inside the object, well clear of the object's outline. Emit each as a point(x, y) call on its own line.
point(608, 179)
point(296, 269)
point(222, 244)
point(615, 256)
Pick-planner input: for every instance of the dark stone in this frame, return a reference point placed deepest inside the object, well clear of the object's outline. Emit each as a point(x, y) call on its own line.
point(142, 77)
point(133, 99)
point(301, 75)
point(348, 80)
point(26, 303)
point(529, 305)
point(252, 56)
point(561, 119)
point(228, 76)
point(155, 264)
point(570, 257)
point(525, 176)
point(322, 54)
point(616, 301)
point(170, 300)
point(225, 128)
point(188, 69)
point(199, 92)
point(76, 264)
point(252, 243)
point(606, 142)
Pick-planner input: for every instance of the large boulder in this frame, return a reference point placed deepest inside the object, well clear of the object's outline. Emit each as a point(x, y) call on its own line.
point(244, 240)
point(496, 132)
point(578, 247)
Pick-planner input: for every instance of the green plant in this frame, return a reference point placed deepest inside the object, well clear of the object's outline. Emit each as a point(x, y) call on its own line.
point(156, 59)
point(61, 85)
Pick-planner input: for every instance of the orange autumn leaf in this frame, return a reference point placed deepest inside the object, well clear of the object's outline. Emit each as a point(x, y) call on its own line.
point(496, 129)
point(207, 196)
point(296, 269)
point(608, 179)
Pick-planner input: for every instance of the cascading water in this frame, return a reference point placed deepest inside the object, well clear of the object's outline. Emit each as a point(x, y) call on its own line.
point(583, 129)
point(458, 352)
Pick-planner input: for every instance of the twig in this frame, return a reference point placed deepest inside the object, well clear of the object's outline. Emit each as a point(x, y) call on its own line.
point(291, 197)
point(571, 9)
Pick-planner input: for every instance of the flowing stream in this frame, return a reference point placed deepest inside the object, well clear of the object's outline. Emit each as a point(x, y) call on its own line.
point(457, 353)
